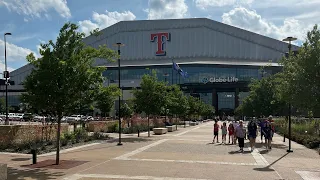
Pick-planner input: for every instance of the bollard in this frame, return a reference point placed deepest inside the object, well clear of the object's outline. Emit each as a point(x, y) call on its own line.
point(34, 156)
point(284, 138)
point(138, 133)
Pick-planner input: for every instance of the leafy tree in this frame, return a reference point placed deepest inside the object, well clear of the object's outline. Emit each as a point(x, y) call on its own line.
point(177, 102)
point(126, 111)
point(151, 98)
point(96, 32)
point(105, 98)
point(301, 74)
point(194, 107)
point(63, 74)
point(263, 99)
point(207, 110)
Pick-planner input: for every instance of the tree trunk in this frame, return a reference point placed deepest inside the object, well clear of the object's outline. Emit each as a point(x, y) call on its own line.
point(58, 139)
point(148, 126)
point(176, 122)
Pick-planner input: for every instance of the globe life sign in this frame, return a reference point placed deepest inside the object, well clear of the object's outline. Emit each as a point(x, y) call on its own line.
point(220, 80)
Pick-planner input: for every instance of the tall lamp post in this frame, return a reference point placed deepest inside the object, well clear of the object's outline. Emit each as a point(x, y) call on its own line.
point(165, 110)
point(6, 75)
point(119, 85)
point(289, 39)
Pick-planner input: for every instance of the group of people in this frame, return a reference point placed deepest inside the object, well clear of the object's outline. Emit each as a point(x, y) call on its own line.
point(238, 132)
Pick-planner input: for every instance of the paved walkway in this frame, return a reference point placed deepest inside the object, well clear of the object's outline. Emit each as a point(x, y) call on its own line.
point(183, 154)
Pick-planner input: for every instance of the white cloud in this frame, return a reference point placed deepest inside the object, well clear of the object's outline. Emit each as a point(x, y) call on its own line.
point(14, 53)
point(37, 8)
point(2, 68)
point(252, 21)
point(204, 4)
point(167, 9)
point(102, 21)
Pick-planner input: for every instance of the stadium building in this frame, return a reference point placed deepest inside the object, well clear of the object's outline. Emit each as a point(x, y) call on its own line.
point(220, 60)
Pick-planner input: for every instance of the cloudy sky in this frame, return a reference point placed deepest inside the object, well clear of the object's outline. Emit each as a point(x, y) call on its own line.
point(34, 21)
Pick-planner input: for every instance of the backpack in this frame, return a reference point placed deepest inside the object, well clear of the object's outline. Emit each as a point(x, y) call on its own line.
point(252, 126)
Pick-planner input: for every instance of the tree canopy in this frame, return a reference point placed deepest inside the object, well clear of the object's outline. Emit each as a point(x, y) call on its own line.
point(64, 75)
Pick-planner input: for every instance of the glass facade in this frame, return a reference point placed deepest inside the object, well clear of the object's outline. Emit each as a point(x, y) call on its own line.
point(226, 100)
point(222, 95)
point(195, 73)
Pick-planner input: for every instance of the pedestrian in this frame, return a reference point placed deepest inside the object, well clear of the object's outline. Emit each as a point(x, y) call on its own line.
point(235, 125)
point(261, 134)
point(239, 131)
point(231, 133)
point(266, 130)
point(272, 126)
point(215, 131)
point(224, 133)
point(252, 133)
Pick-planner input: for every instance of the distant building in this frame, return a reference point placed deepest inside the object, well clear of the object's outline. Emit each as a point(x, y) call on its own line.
point(220, 59)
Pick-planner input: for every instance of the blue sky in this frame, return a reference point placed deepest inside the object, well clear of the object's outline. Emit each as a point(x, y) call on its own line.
point(34, 21)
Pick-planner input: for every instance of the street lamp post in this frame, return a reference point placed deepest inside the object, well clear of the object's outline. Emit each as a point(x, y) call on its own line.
point(289, 39)
point(165, 80)
point(6, 75)
point(119, 85)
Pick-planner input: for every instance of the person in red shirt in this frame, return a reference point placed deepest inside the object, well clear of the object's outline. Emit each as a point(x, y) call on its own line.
point(231, 133)
point(215, 132)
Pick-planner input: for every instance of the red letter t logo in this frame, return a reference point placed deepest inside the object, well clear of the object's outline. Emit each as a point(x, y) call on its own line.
point(161, 39)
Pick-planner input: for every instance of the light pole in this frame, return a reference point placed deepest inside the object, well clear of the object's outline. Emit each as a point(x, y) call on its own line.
point(119, 86)
point(165, 80)
point(6, 75)
point(289, 39)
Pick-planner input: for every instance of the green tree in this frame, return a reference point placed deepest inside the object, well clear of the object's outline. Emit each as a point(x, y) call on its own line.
point(126, 112)
point(301, 74)
point(106, 97)
point(151, 97)
point(207, 110)
point(63, 74)
point(263, 99)
point(177, 102)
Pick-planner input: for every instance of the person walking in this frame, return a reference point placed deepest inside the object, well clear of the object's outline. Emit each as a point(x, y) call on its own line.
point(224, 133)
point(231, 133)
point(252, 133)
point(235, 125)
point(215, 132)
point(239, 131)
point(266, 130)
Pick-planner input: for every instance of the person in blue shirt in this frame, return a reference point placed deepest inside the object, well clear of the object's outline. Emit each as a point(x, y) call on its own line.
point(252, 133)
point(266, 130)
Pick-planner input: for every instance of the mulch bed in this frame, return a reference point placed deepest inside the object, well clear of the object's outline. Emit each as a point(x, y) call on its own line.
point(51, 164)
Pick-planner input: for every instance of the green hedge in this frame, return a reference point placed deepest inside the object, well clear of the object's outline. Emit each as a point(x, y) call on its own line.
point(302, 133)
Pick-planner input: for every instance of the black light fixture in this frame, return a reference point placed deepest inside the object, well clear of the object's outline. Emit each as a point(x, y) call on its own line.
point(6, 75)
point(289, 39)
point(119, 85)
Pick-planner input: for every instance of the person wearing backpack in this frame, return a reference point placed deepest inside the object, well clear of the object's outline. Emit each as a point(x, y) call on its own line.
point(267, 133)
point(252, 133)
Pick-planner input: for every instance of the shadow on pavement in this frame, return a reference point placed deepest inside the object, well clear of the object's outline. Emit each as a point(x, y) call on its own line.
point(238, 152)
point(21, 174)
point(262, 145)
point(20, 159)
point(129, 140)
point(268, 168)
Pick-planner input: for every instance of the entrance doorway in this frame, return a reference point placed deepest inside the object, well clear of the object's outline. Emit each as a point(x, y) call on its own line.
point(226, 103)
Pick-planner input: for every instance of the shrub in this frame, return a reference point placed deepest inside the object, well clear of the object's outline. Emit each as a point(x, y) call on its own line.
point(113, 128)
point(99, 136)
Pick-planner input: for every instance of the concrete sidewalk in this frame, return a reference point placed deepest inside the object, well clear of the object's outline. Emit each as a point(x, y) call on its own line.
point(183, 154)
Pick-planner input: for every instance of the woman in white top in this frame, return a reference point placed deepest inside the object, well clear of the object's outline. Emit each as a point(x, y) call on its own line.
point(240, 134)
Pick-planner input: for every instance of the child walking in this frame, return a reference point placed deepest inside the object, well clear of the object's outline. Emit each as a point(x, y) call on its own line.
point(215, 132)
point(224, 133)
point(231, 133)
